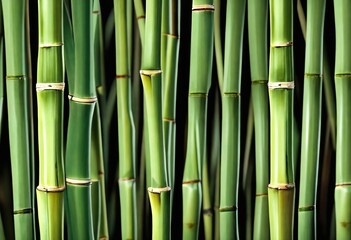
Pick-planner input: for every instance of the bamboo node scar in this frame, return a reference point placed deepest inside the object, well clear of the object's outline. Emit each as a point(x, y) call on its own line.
point(307, 208)
point(344, 184)
point(191, 181)
point(78, 182)
point(203, 7)
point(49, 45)
point(119, 76)
point(23, 211)
point(150, 72)
point(51, 189)
point(16, 77)
point(228, 209)
point(281, 186)
point(50, 86)
point(158, 190)
point(281, 85)
point(282, 44)
point(126, 180)
point(82, 100)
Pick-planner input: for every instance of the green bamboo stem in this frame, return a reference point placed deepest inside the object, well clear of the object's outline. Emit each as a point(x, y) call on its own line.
point(140, 16)
point(257, 23)
point(218, 43)
point(342, 9)
point(281, 83)
point(50, 86)
point(311, 120)
point(231, 105)
point(82, 103)
point(206, 201)
point(18, 116)
point(165, 29)
point(201, 55)
point(126, 130)
point(170, 89)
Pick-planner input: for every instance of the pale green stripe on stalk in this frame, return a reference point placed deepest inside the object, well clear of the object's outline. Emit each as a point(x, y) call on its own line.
point(201, 55)
point(342, 10)
point(311, 119)
point(18, 116)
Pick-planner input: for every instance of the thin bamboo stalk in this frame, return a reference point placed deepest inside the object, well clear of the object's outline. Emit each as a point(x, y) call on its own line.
point(231, 109)
point(50, 86)
point(281, 83)
point(201, 55)
point(311, 119)
point(82, 103)
point(218, 43)
point(140, 16)
point(257, 23)
point(342, 195)
point(126, 129)
point(18, 116)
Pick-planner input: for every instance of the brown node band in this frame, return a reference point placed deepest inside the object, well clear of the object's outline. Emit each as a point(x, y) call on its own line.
point(198, 94)
point(140, 17)
point(281, 186)
point(345, 184)
point(158, 190)
point(307, 208)
point(96, 12)
point(23, 211)
point(122, 76)
point(126, 180)
point(191, 181)
point(16, 77)
point(261, 194)
point(340, 75)
point(207, 211)
point(51, 189)
point(78, 182)
point(228, 209)
point(203, 7)
point(283, 44)
point(231, 94)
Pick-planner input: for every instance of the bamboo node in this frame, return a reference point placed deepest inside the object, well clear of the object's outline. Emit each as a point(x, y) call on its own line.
point(259, 81)
point(126, 180)
point(49, 45)
point(78, 182)
point(281, 186)
point(228, 209)
point(307, 208)
point(282, 44)
point(16, 77)
point(171, 120)
point(158, 190)
point(23, 211)
point(344, 184)
point(203, 7)
point(51, 188)
point(261, 194)
point(191, 181)
point(313, 75)
point(281, 85)
point(82, 100)
point(150, 72)
point(207, 211)
point(97, 12)
point(171, 35)
point(198, 94)
point(140, 17)
point(122, 76)
point(345, 75)
point(231, 94)
point(50, 86)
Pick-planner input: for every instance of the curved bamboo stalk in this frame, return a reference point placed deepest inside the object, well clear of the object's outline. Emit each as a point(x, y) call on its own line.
point(311, 120)
point(231, 109)
point(17, 101)
point(50, 86)
point(201, 54)
point(257, 23)
point(342, 9)
point(82, 102)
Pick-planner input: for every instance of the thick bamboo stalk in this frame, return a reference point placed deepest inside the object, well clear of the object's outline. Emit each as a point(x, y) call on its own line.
point(281, 84)
point(311, 119)
point(257, 23)
point(342, 9)
point(18, 116)
point(231, 105)
point(201, 54)
point(82, 102)
point(126, 129)
point(50, 86)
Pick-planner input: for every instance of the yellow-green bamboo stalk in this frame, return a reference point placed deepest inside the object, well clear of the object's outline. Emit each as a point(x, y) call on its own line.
point(18, 116)
point(311, 120)
point(342, 10)
point(82, 102)
point(201, 54)
point(257, 22)
point(50, 86)
point(281, 84)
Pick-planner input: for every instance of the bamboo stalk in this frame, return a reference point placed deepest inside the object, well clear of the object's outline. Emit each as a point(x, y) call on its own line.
point(281, 83)
point(140, 16)
point(201, 54)
point(18, 116)
point(82, 102)
point(218, 43)
point(126, 129)
point(311, 120)
point(342, 195)
point(231, 109)
point(257, 23)
point(50, 86)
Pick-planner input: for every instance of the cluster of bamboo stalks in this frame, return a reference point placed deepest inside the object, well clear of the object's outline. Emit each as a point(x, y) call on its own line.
point(112, 163)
